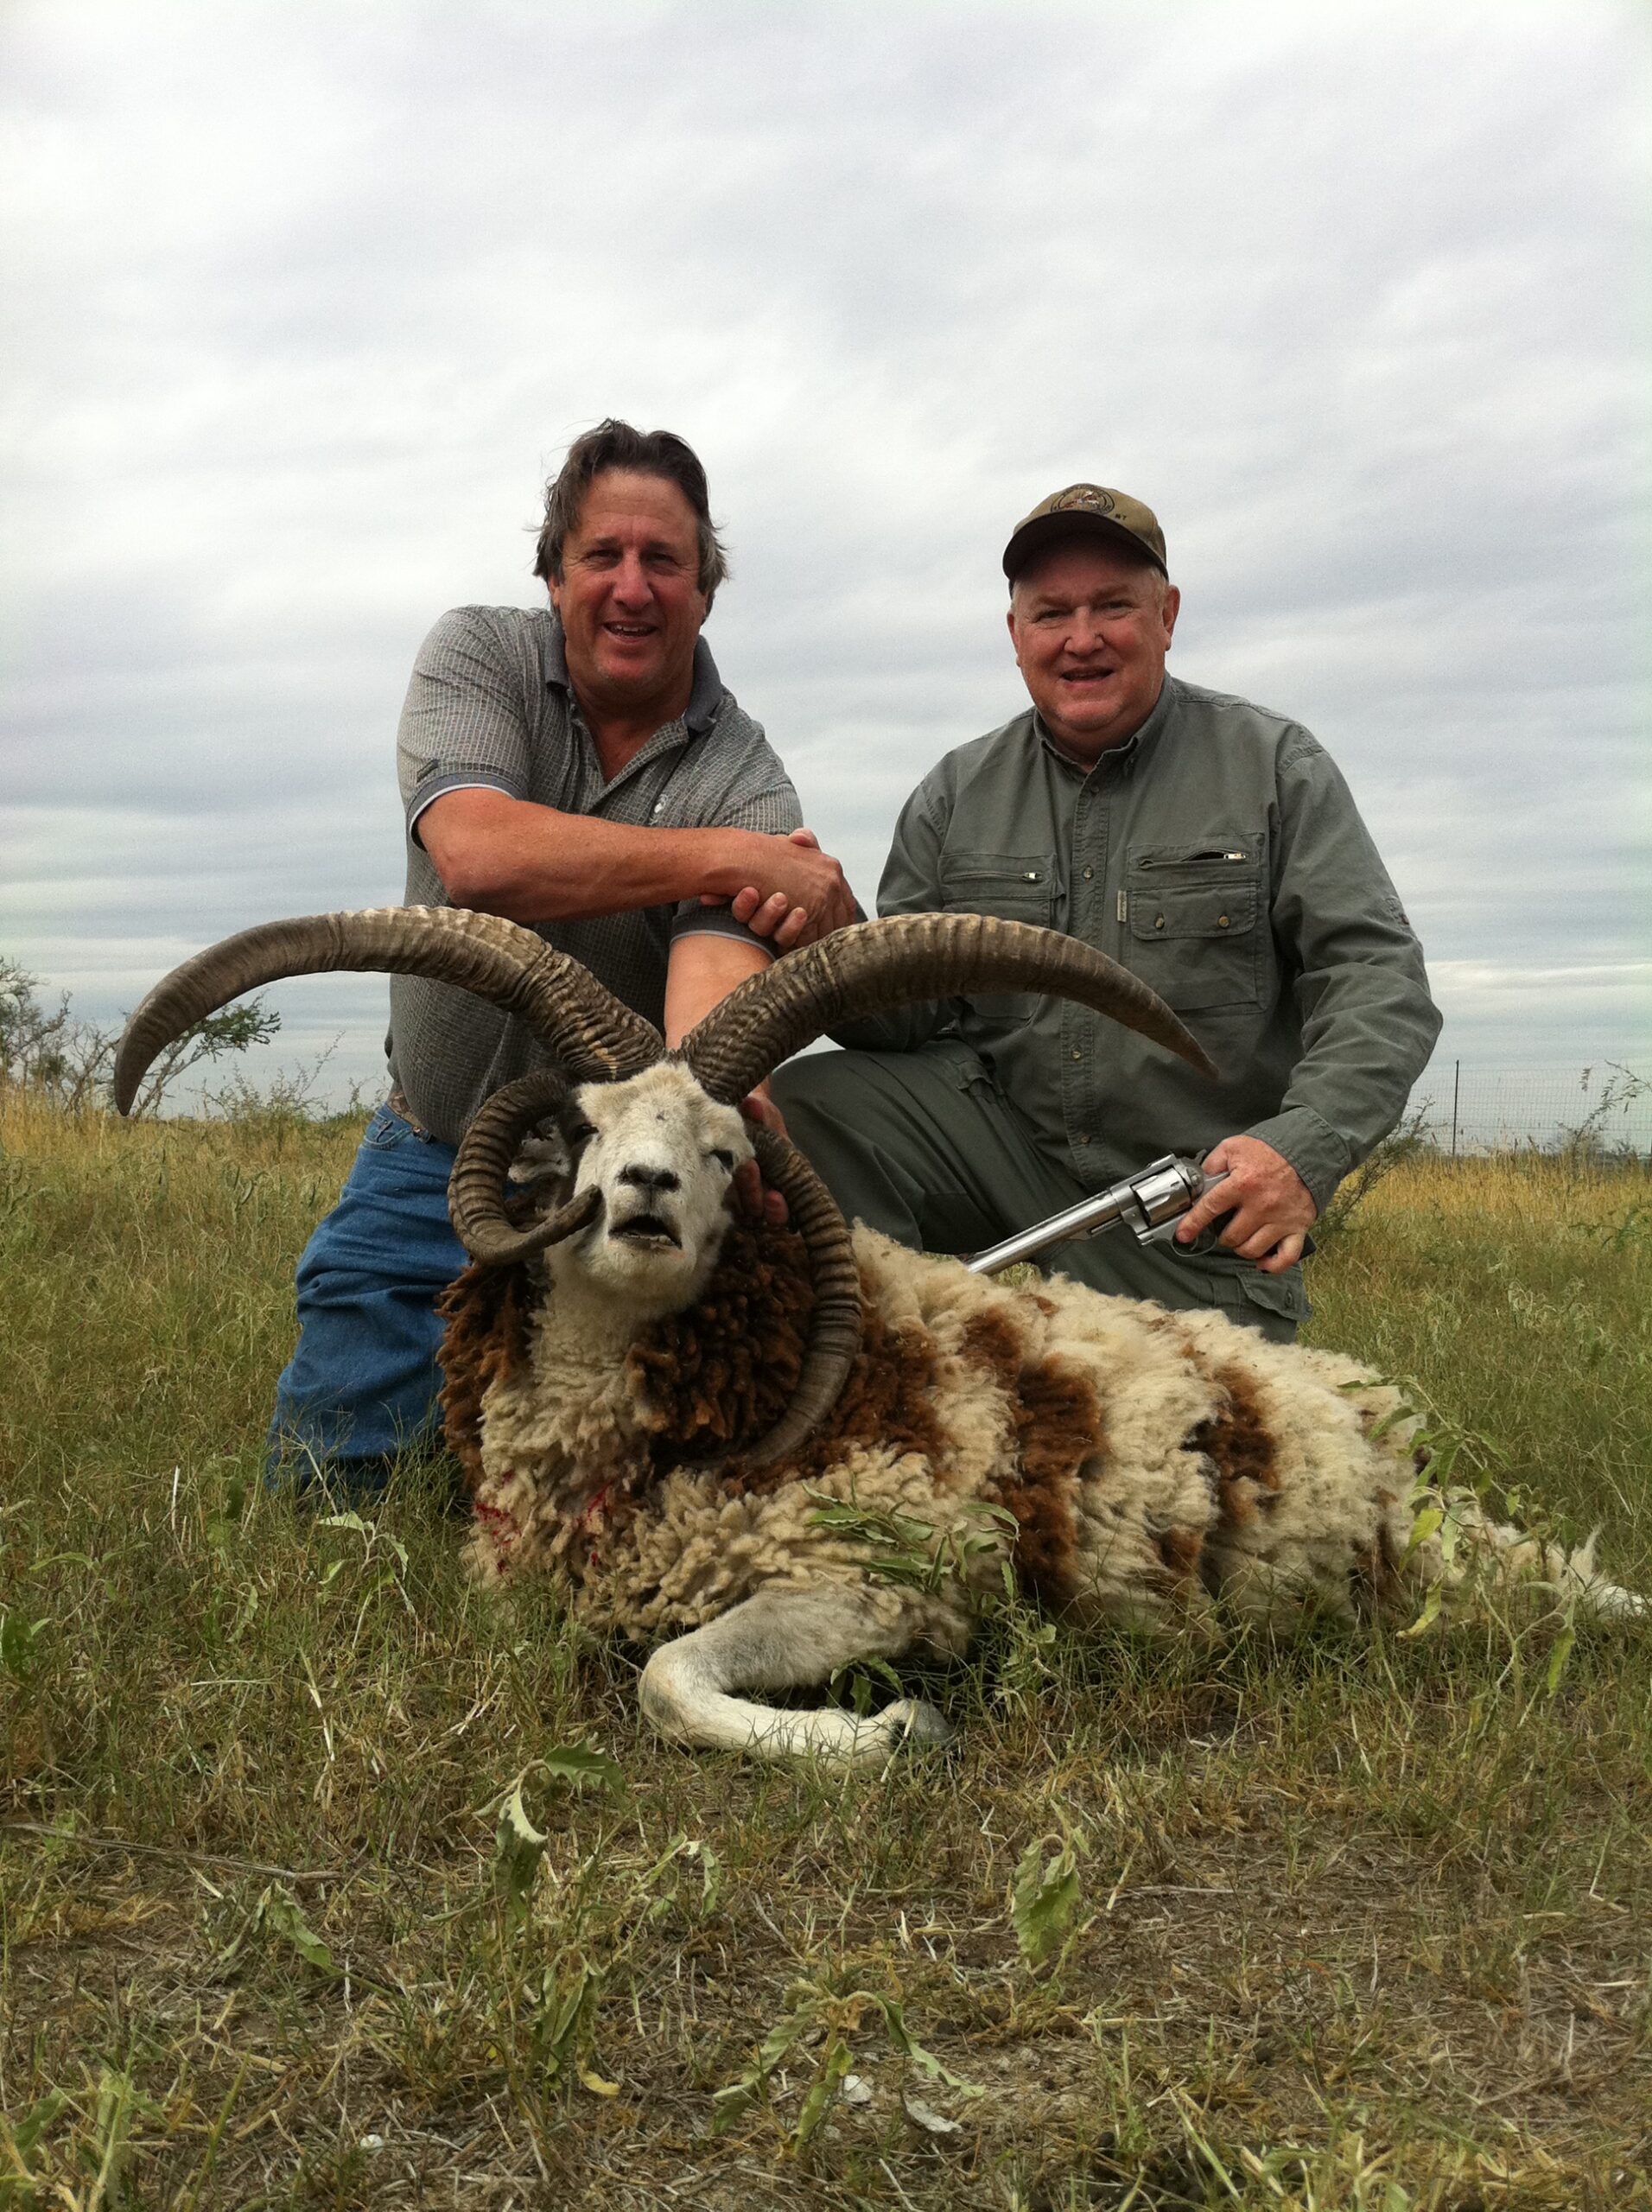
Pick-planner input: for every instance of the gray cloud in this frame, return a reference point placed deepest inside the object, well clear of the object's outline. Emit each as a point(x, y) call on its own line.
point(305, 300)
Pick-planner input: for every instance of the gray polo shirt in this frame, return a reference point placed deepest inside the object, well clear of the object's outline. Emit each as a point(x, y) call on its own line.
point(490, 705)
point(1219, 855)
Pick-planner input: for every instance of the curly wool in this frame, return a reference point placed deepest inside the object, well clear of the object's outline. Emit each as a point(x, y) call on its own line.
point(717, 1375)
point(721, 1372)
point(1134, 1465)
point(488, 1313)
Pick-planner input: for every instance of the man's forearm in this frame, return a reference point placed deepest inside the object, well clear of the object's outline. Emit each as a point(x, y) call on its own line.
point(703, 969)
point(534, 864)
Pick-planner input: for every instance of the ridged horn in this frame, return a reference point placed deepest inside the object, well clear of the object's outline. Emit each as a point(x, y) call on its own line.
point(568, 1011)
point(476, 1187)
point(873, 966)
point(834, 1326)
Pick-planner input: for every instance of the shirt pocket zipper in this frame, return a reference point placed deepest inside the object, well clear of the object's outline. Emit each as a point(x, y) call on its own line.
point(1229, 853)
point(1216, 856)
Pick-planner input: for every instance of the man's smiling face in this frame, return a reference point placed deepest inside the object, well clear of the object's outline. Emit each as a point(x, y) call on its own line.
point(629, 595)
point(1091, 626)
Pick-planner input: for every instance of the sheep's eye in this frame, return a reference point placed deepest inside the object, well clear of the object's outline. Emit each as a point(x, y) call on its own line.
point(720, 1153)
point(578, 1133)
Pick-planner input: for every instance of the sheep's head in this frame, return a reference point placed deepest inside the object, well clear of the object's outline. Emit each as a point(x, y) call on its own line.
point(642, 1116)
point(662, 1157)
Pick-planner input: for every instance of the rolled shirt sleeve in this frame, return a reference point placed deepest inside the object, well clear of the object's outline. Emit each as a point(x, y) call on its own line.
point(462, 724)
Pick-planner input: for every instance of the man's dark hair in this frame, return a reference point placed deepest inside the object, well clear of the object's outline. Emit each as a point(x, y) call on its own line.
point(647, 453)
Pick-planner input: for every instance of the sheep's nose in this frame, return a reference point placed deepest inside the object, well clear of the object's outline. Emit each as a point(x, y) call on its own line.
point(650, 1178)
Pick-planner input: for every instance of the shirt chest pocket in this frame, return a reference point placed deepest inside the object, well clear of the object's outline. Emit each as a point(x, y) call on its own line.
point(1194, 917)
point(1020, 888)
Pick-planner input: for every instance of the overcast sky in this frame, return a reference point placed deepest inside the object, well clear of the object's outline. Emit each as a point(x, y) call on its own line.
point(301, 304)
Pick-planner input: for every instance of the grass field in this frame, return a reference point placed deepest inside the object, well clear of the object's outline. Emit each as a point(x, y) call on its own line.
point(1363, 1922)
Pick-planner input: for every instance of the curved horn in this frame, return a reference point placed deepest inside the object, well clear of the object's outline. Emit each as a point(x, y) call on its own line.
point(568, 1010)
point(834, 1327)
point(475, 1188)
point(872, 966)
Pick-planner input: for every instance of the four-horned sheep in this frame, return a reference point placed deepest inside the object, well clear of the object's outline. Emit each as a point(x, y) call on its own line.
point(711, 1431)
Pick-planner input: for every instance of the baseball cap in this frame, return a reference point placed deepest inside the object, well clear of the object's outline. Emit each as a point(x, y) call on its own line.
point(1085, 506)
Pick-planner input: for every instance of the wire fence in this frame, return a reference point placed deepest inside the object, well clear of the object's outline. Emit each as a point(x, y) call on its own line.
point(1604, 1109)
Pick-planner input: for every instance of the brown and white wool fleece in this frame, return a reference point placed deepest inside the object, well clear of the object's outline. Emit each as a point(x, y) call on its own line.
point(1143, 1465)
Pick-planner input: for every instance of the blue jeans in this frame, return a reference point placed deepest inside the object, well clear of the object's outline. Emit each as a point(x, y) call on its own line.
point(362, 1384)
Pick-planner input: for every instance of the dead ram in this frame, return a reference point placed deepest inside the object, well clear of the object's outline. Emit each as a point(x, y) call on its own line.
point(658, 1402)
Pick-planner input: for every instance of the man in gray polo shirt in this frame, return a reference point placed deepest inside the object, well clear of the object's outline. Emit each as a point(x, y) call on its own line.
point(1206, 843)
point(580, 768)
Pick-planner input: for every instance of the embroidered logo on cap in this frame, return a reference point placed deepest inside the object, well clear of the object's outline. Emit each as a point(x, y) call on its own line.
point(1088, 496)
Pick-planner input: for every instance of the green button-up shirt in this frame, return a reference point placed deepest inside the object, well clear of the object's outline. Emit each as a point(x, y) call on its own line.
point(1219, 855)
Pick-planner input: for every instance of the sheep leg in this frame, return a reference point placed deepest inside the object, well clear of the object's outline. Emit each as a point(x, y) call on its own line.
point(777, 1640)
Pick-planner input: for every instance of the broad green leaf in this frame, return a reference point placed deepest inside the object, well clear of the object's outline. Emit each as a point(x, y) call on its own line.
point(728, 2104)
point(1558, 1657)
point(822, 2089)
point(1460, 1507)
point(1424, 1526)
point(785, 2034)
point(559, 2014)
point(280, 1914)
point(35, 2121)
point(17, 1639)
point(1043, 1900)
point(711, 1874)
point(347, 1521)
point(580, 1764)
point(1430, 1612)
point(518, 1848)
point(119, 2107)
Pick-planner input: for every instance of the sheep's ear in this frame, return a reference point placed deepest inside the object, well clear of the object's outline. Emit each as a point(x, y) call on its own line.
point(543, 1166)
point(489, 1149)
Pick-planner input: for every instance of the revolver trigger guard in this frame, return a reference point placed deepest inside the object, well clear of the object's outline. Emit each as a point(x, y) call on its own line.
point(1206, 1241)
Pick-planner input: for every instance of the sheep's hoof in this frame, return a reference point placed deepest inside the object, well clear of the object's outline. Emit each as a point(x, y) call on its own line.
point(911, 1725)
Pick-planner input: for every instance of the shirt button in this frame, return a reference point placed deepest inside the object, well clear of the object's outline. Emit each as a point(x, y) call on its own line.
point(1089, 871)
point(1222, 921)
point(1159, 921)
point(1084, 1136)
point(1078, 1055)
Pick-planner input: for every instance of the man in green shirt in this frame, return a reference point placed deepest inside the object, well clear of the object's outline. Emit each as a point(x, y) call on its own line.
point(1209, 845)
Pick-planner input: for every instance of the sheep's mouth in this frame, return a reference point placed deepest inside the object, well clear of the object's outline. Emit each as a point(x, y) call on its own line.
point(649, 1228)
